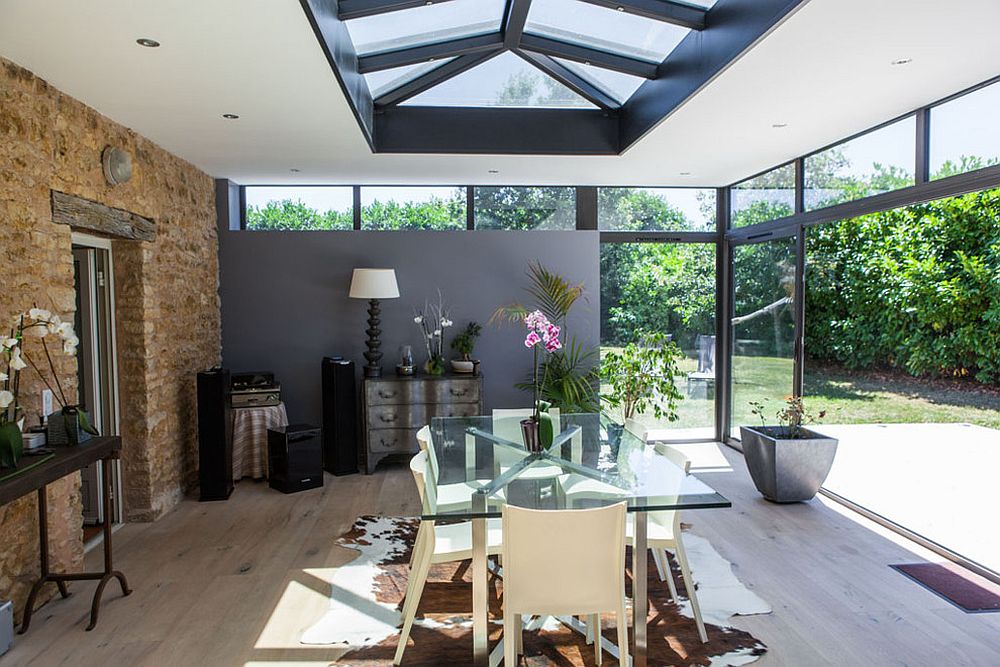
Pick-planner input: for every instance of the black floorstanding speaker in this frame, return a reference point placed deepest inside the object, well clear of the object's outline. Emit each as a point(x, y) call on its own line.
point(294, 458)
point(340, 416)
point(215, 435)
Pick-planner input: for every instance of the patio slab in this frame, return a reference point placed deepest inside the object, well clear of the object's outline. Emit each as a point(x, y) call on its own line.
point(937, 480)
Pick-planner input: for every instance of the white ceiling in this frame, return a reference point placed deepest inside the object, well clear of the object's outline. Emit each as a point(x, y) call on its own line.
point(825, 72)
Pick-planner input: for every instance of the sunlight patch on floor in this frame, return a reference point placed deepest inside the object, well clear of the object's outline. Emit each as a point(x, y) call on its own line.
point(306, 597)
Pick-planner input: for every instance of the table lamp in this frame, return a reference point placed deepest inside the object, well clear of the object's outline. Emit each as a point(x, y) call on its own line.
point(373, 284)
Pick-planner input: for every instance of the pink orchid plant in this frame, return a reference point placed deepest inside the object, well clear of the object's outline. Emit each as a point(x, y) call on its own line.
point(541, 333)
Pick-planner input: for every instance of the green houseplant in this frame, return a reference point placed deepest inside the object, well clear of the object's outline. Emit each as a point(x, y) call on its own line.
point(464, 343)
point(787, 461)
point(641, 377)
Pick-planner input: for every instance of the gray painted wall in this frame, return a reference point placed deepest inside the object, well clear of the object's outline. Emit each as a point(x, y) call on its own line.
point(285, 305)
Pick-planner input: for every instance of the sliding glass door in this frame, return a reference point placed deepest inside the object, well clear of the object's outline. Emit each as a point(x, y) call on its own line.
point(762, 327)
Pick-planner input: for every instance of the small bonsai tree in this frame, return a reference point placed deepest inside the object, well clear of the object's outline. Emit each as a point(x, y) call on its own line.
point(465, 342)
point(642, 377)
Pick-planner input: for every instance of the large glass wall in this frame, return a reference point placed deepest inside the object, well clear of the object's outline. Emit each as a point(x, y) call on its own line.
point(666, 288)
point(903, 354)
point(280, 208)
point(763, 327)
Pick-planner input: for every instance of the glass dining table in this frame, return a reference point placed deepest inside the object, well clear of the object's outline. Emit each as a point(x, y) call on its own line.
point(479, 464)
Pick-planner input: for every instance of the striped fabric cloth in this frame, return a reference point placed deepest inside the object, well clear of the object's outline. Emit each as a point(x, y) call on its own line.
point(250, 439)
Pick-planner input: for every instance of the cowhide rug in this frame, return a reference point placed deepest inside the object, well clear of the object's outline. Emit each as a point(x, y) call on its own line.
point(368, 591)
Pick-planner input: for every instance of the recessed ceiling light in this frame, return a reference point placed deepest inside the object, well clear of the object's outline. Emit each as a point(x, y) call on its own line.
point(620, 8)
point(294, 170)
point(779, 125)
point(150, 43)
point(685, 173)
point(230, 116)
point(494, 171)
point(902, 61)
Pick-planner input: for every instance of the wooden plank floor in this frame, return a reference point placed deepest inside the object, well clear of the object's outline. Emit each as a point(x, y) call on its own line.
point(235, 583)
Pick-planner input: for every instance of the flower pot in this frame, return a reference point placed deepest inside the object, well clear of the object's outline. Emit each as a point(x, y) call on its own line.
point(615, 432)
point(530, 433)
point(66, 427)
point(434, 366)
point(787, 470)
point(462, 366)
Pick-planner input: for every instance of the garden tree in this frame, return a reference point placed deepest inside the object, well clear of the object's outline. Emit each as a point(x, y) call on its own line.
point(436, 213)
point(915, 288)
point(291, 215)
point(510, 207)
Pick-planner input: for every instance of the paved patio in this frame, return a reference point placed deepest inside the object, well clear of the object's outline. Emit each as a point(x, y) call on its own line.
point(937, 480)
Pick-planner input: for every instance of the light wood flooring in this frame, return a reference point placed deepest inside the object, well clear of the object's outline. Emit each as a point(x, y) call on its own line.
point(234, 583)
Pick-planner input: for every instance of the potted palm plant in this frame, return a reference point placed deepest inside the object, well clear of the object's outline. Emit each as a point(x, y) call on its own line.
point(788, 462)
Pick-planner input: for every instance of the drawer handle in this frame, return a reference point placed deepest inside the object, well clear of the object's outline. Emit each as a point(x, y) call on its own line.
point(387, 419)
point(383, 442)
point(458, 392)
point(386, 394)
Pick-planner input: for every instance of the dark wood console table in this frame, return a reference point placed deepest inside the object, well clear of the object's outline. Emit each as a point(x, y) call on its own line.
point(68, 460)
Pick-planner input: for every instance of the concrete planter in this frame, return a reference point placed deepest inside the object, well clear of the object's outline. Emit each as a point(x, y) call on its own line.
point(785, 470)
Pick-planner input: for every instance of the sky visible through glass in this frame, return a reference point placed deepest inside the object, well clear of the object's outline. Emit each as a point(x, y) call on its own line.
point(504, 81)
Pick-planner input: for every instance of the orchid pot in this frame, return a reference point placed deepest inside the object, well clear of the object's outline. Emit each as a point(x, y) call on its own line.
point(434, 366)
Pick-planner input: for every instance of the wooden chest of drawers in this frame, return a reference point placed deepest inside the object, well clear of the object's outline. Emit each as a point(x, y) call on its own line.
point(396, 407)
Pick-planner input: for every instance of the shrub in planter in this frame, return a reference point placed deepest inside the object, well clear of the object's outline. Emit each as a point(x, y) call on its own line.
point(787, 462)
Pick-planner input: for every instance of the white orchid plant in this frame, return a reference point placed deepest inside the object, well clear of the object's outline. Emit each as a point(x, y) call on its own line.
point(45, 326)
point(433, 320)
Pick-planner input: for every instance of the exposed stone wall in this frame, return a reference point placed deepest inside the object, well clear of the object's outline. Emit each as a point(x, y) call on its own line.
point(166, 297)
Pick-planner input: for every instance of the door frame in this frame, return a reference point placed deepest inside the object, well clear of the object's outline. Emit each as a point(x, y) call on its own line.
point(117, 472)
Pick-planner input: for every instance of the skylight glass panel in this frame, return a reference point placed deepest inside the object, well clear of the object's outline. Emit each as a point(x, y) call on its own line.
point(604, 29)
point(703, 4)
point(616, 84)
point(383, 81)
point(503, 81)
point(428, 24)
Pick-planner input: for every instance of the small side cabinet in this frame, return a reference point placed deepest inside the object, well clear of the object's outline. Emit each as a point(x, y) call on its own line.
point(395, 408)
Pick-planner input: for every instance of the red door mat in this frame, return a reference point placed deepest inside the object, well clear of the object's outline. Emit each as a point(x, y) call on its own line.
point(965, 590)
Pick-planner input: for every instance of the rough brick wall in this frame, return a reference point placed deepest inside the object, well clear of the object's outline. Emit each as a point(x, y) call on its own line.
point(166, 296)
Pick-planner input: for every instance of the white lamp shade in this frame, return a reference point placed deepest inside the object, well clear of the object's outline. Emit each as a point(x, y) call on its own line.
point(374, 284)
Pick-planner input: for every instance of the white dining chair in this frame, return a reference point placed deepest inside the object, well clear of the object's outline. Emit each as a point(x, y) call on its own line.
point(563, 562)
point(664, 532)
point(435, 544)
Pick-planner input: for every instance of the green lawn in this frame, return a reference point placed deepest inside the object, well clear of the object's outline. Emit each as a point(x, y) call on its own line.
point(848, 397)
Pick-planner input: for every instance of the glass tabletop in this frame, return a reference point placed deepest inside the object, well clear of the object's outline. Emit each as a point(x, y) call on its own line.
point(475, 465)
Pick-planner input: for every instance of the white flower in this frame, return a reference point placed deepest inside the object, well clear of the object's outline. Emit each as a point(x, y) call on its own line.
point(69, 345)
point(430, 335)
point(53, 324)
point(6, 398)
point(10, 343)
point(39, 314)
point(65, 330)
point(3, 376)
point(437, 332)
point(446, 322)
point(16, 362)
point(36, 330)
point(418, 319)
